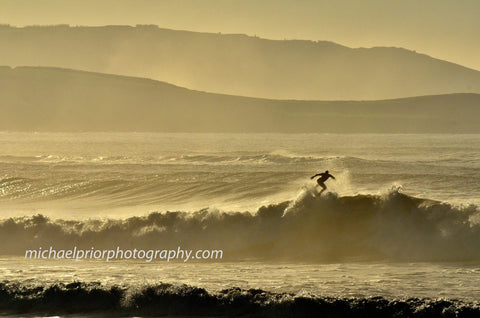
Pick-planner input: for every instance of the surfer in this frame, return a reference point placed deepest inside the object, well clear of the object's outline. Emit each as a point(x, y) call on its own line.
point(323, 177)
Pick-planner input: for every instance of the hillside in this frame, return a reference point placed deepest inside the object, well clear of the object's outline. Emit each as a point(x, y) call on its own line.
point(52, 99)
point(238, 64)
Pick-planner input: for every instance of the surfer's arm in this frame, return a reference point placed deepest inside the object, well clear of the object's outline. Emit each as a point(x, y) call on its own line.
point(332, 177)
point(318, 174)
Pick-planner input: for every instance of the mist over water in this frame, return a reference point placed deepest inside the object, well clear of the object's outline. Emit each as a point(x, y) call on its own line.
point(393, 226)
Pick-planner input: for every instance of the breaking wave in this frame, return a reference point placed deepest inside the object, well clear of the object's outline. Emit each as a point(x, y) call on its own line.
point(166, 299)
point(392, 226)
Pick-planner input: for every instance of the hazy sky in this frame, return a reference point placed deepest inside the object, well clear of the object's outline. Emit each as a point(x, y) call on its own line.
point(446, 29)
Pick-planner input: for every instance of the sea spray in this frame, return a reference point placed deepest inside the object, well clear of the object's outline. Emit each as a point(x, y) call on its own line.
point(325, 228)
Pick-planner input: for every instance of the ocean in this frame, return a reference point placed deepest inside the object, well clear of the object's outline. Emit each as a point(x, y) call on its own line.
point(396, 233)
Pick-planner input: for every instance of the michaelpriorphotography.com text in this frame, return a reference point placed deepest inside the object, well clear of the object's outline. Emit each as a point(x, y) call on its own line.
point(118, 253)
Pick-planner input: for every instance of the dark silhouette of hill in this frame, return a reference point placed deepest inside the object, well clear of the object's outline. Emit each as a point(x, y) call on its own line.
point(52, 99)
point(238, 64)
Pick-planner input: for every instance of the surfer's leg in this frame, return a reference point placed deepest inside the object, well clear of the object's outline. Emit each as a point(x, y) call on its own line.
point(324, 187)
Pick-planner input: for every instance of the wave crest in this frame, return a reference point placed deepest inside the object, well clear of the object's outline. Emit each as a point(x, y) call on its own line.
point(393, 226)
